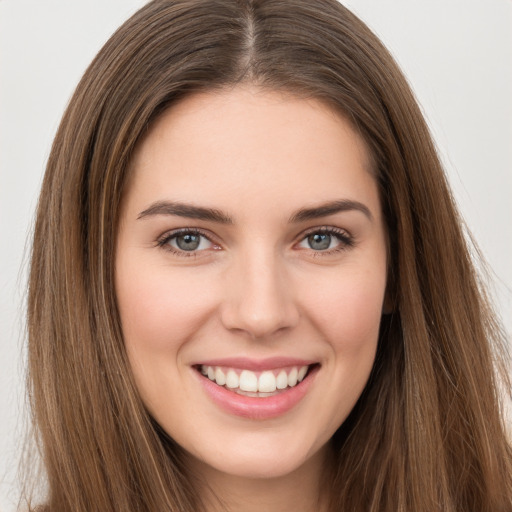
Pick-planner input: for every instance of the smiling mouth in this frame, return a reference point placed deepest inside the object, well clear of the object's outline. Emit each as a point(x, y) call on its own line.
point(256, 383)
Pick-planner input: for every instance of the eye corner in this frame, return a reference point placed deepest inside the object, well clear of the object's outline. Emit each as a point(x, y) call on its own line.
point(195, 242)
point(325, 240)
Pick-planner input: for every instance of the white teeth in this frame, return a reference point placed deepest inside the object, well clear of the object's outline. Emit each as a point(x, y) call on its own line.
point(292, 377)
point(232, 380)
point(220, 378)
point(248, 381)
point(282, 380)
point(267, 382)
point(302, 373)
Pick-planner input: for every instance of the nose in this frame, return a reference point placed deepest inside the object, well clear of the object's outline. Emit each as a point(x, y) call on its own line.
point(259, 299)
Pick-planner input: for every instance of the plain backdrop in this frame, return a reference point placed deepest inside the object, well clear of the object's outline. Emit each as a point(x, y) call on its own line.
point(457, 55)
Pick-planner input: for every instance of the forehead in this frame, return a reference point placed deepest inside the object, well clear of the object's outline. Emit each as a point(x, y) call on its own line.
point(247, 142)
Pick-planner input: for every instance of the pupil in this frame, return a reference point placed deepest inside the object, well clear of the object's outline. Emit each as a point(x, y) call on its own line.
point(188, 242)
point(319, 241)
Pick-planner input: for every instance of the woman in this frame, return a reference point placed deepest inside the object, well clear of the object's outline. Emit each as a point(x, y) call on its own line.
point(249, 285)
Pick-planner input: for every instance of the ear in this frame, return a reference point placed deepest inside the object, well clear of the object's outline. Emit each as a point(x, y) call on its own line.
point(389, 303)
point(388, 306)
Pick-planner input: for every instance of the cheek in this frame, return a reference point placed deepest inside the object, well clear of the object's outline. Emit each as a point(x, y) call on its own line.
point(159, 308)
point(347, 314)
point(347, 308)
point(160, 311)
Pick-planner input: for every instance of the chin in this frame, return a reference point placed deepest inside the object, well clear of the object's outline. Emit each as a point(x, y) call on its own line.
point(264, 459)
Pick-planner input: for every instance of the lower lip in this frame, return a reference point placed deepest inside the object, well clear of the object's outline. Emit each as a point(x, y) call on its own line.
point(257, 408)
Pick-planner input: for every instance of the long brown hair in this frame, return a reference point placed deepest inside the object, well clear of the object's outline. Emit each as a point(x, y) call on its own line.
point(426, 435)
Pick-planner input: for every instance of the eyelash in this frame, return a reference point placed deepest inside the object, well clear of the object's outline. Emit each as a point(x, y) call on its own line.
point(346, 241)
point(163, 241)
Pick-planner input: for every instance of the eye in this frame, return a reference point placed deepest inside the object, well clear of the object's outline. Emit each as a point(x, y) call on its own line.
point(319, 241)
point(326, 240)
point(186, 241)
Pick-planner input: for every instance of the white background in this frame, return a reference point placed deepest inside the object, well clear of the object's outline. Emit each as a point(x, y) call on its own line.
point(457, 55)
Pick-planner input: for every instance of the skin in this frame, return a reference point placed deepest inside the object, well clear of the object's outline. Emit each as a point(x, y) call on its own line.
point(256, 288)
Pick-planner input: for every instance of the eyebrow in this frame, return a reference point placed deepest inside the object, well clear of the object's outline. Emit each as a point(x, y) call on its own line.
point(330, 208)
point(185, 210)
point(212, 214)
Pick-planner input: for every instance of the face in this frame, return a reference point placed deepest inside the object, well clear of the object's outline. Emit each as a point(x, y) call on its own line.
point(250, 277)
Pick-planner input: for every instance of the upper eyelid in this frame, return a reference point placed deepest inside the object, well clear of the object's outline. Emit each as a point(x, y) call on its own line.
point(163, 241)
point(325, 229)
point(166, 235)
point(345, 238)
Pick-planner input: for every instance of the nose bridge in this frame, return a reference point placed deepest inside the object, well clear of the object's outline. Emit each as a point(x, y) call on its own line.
point(259, 300)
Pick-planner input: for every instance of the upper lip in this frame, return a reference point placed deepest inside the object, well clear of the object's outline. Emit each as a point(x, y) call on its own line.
point(245, 363)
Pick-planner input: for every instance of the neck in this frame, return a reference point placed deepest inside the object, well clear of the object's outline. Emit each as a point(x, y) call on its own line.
point(303, 490)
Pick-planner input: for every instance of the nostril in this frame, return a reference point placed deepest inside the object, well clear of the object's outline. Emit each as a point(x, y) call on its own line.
point(258, 327)
point(259, 306)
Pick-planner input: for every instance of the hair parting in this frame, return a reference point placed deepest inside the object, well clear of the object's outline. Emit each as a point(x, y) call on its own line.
point(426, 435)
